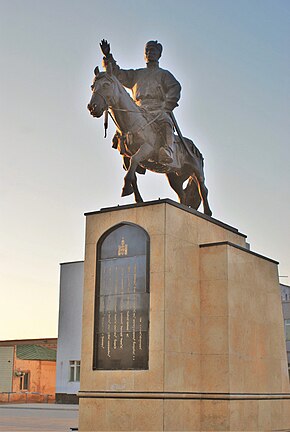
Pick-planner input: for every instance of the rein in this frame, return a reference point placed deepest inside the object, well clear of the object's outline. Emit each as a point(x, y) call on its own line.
point(122, 110)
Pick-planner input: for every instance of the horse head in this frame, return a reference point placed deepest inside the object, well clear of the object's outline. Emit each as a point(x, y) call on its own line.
point(103, 90)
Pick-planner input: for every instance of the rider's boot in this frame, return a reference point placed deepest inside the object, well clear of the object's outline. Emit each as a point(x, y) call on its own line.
point(165, 152)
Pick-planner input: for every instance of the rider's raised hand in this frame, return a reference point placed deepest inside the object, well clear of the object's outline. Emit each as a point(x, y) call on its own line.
point(105, 47)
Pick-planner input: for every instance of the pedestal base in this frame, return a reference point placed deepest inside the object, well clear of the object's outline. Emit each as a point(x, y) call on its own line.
point(217, 356)
point(184, 412)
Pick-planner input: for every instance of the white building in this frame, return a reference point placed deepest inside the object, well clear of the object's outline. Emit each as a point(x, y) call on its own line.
point(285, 295)
point(69, 332)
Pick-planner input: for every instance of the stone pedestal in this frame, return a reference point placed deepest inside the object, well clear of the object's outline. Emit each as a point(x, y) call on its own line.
point(217, 356)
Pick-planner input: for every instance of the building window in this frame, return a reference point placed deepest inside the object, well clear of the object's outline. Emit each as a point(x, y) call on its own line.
point(287, 329)
point(24, 381)
point(74, 366)
point(122, 299)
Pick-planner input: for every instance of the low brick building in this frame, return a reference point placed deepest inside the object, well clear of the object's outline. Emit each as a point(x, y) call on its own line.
point(27, 370)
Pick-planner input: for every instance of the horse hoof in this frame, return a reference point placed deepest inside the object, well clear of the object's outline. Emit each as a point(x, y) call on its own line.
point(127, 190)
point(208, 212)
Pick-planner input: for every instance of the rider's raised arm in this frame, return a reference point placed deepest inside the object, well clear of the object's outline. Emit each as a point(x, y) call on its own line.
point(126, 77)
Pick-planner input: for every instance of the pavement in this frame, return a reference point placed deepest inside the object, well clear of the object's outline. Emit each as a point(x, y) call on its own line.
point(38, 417)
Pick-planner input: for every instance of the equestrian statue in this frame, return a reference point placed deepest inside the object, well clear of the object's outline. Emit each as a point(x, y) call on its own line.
point(146, 124)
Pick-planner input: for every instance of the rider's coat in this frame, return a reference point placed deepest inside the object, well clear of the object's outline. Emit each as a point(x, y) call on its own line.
point(153, 88)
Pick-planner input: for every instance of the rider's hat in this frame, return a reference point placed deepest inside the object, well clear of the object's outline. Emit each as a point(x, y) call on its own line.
point(156, 44)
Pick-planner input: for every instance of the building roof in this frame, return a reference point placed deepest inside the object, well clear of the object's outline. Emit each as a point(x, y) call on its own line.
point(35, 352)
point(46, 341)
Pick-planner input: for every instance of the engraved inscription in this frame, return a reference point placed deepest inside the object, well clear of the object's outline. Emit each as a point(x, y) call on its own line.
point(122, 300)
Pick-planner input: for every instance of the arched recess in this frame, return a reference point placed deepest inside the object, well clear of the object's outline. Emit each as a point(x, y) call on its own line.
point(121, 331)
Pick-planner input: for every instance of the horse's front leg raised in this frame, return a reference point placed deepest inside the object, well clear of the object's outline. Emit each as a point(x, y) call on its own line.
point(130, 177)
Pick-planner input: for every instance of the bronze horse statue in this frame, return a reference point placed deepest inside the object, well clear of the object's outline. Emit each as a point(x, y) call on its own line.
point(138, 139)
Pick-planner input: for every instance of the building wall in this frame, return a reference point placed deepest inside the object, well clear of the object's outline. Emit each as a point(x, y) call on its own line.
point(6, 368)
point(285, 296)
point(69, 328)
point(42, 375)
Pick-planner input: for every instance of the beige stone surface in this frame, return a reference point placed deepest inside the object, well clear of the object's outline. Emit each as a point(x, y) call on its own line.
point(213, 263)
point(121, 415)
point(182, 415)
point(214, 297)
point(215, 373)
point(214, 335)
point(182, 372)
point(215, 327)
point(211, 233)
point(214, 413)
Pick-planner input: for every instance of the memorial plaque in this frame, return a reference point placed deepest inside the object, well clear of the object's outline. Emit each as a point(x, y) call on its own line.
point(122, 300)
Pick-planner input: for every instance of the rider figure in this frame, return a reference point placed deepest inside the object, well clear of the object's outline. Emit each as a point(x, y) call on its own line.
point(153, 88)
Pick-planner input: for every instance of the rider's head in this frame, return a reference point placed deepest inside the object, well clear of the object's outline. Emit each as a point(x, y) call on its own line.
point(153, 50)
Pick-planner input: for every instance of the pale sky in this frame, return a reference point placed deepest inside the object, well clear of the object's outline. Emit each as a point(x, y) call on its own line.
point(232, 60)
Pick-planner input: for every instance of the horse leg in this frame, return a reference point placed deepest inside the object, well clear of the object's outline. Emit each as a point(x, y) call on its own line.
point(137, 194)
point(140, 155)
point(126, 164)
point(192, 192)
point(203, 191)
point(176, 182)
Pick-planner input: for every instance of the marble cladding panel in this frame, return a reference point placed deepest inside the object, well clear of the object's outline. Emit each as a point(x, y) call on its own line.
point(157, 262)
point(152, 219)
point(277, 415)
point(182, 372)
point(152, 379)
point(182, 334)
point(236, 373)
point(96, 225)
point(285, 376)
point(214, 415)
point(213, 263)
point(182, 415)
point(214, 297)
point(214, 335)
point(125, 215)
point(250, 415)
point(147, 415)
point(264, 415)
point(181, 258)
point(121, 415)
point(182, 315)
point(242, 337)
point(215, 373)
point(181, 225)
point(157, 291)
point(286, 414)
point(124, 380)
point(212, 233)
point(249, 267)
point(182, 296)
point(88, 420)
